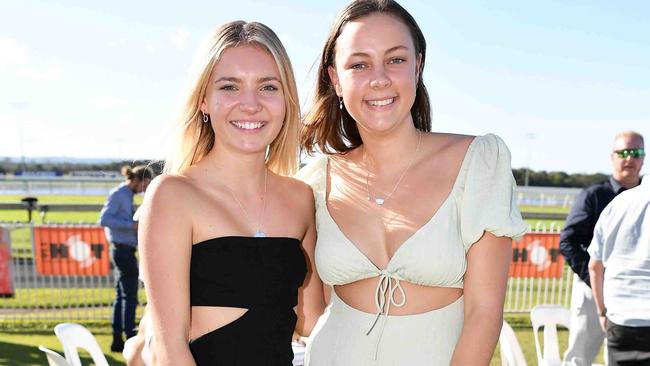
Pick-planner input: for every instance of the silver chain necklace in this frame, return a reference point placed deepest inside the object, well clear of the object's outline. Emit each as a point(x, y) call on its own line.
point(378, 200)
point(258, 231)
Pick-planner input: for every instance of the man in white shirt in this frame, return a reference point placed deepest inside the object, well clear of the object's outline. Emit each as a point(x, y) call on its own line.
point(619, 270)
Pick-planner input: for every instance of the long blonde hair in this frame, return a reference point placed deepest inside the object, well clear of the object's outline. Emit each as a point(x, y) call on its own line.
point(194, 139)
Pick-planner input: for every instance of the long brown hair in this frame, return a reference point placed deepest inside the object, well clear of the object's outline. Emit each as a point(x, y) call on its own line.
point(333, 130)
point(194, 139)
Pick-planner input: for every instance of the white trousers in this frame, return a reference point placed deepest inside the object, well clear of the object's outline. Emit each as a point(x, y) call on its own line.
point(585, 335)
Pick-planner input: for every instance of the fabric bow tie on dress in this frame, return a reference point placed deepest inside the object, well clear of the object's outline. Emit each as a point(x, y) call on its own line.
point(384, 297)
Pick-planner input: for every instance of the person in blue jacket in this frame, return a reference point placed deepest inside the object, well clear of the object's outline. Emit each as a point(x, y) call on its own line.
point(122, 232)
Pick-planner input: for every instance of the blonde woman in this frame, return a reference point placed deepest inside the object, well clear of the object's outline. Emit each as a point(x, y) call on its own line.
point(227, 239)
point(414, 227)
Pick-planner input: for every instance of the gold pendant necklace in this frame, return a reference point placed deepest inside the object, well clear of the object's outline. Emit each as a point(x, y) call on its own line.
point(378, 200)
point(258, 231)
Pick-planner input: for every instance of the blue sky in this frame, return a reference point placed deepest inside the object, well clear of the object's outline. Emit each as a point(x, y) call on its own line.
point(555, 79)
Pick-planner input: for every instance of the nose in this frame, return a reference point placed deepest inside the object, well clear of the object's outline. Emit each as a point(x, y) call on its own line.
point(249, 102)
point(379, 78)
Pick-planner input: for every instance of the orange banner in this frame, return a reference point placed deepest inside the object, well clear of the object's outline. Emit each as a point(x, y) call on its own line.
point(71, 251)
point(6, 282)
point(537, 255)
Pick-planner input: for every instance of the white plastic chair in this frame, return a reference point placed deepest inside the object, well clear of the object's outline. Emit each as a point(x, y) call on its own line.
point(73, 336)
point(511, 354)
point(298, 354)
point(549, 317)
point(53, 358)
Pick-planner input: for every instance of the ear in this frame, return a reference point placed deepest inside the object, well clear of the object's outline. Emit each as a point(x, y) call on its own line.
point(204, 106)
point(334, 78)
point(418, 63)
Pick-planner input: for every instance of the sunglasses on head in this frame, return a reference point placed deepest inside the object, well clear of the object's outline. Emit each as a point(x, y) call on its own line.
point(635, 153)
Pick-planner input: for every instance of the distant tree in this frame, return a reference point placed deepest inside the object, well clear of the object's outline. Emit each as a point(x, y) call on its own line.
point(556, 179)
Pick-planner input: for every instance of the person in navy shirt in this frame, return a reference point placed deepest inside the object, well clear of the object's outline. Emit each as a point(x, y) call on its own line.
point(122, 232)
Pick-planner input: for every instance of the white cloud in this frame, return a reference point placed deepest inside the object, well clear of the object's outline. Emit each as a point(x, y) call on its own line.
point(50, 73)
point(53, 71)
point(13, 53)
point(125, 121)
point(116, 43)
point(108, 102)
point(179, 38)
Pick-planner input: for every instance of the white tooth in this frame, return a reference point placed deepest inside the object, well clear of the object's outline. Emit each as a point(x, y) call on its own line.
point(381, 102)
point(248, 125)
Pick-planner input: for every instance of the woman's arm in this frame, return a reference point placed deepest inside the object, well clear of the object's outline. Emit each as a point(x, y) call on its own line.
point(310, 296)
point(488, 261)
point(165, 238)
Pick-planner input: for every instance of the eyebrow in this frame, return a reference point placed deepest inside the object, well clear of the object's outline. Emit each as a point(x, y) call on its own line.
point(238, 80)
point(392, 49)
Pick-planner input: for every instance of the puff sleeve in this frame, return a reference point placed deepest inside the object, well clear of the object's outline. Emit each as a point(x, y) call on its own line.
point(488, 202)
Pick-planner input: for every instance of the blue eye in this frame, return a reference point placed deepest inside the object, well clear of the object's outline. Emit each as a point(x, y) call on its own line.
point(358, 66)
point(269, 88)
point(397, 60)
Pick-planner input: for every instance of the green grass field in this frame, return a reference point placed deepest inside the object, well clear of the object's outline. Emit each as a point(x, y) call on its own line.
point(62, 298)
point(56, 217)
point(19, 345)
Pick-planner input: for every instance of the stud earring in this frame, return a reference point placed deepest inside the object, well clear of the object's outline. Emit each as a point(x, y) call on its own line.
point(206, 118)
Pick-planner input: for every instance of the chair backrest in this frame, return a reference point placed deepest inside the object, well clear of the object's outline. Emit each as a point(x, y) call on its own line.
point(549, 317)
point(73, 336)
point(298, 354)
point(53, 358)
point(511, 354)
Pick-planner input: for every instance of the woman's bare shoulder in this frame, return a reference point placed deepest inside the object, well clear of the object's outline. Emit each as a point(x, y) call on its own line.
point(171, 191)
point(168, 184)
point(297, 190)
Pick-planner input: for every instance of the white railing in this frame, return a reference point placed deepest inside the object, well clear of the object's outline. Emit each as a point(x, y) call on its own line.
point(54, 291)
point(546, 196)
point(46, 280)
point(542, 277)
point(526, 196)
point(62, 185)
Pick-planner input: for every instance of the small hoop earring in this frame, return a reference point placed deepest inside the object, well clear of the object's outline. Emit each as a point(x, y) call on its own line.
point(206, 118)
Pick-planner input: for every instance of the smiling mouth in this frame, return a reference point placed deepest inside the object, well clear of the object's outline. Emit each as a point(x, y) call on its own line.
point(248, 125)
point(381, 102)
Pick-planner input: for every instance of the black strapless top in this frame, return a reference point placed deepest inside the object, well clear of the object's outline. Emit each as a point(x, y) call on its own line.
point(260, 274)
point(246, 271)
